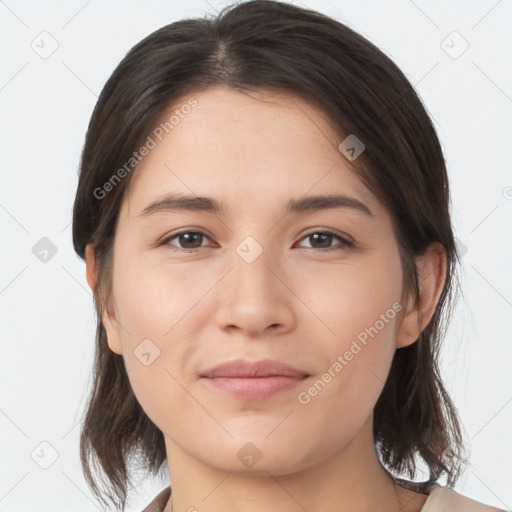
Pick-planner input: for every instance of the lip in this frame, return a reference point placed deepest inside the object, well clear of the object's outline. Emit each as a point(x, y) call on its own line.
point(254, 380)
point(246, 369)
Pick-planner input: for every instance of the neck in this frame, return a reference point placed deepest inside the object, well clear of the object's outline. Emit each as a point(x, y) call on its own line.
point(350, 480)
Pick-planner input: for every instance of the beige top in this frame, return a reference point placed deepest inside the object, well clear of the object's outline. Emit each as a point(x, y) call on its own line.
point(444, 499)
point(440, 499)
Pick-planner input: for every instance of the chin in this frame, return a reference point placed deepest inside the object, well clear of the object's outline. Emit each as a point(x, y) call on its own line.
point(259, 456)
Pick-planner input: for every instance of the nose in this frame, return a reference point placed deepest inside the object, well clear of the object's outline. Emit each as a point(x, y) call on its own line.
point(255, 298)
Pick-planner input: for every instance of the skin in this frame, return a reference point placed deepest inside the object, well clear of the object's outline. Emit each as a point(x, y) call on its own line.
point(297, 303)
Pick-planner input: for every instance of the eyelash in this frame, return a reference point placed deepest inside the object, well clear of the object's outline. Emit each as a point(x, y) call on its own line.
point(344, 241)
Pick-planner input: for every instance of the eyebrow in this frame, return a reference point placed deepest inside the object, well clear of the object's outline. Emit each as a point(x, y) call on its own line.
point(308, 204)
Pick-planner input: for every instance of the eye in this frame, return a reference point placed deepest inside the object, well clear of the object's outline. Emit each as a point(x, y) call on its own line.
point(188, 240)
point(323, 239)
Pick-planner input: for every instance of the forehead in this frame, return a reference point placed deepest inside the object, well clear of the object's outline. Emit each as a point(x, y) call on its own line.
point(258, 148)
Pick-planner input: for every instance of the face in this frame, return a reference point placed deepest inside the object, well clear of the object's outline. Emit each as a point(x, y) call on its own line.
point(316, 286)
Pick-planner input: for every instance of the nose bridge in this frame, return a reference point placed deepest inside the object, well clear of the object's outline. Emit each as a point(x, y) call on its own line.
point(251, 274)
point(253, 297)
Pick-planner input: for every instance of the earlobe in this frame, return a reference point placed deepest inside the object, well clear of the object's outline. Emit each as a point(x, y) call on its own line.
point(112, 329)
point(109, 323)
point(91, 271)
point(431, 270)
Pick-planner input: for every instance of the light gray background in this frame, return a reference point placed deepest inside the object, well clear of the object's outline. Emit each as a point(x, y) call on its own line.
point(47, 309)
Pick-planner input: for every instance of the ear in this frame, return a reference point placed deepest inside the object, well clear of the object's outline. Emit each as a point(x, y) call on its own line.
point(108, 319)
point(431, 270)
point(91, 270)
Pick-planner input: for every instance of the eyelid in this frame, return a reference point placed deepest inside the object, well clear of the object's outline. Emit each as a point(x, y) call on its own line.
point(167, 238)
point(345, 239)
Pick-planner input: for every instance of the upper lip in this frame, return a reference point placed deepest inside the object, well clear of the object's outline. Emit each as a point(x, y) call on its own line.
point(262, 368)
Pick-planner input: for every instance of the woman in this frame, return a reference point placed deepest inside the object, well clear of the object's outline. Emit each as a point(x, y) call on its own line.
point(263, 209)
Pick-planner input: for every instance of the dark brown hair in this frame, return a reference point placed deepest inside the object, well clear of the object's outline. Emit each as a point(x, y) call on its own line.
point(250, 46)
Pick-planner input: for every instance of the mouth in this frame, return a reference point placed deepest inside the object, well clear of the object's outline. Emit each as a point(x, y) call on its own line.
point(253, 380)
point(254, 388)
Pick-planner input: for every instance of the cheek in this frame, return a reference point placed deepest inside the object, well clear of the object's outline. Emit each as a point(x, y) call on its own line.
point(154, 302)
point(351, 296)
point(152, 306)
point(360, 305)
point(341, 396)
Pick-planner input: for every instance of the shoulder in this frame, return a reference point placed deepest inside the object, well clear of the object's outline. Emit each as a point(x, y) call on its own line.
point(445, 499)
point(160, 501)
point(440, 499)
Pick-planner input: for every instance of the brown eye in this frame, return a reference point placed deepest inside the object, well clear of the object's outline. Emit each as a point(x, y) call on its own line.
point(324, 239)
point(187, 240)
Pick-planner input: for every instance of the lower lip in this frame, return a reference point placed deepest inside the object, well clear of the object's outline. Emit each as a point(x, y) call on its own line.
point(254, 388)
